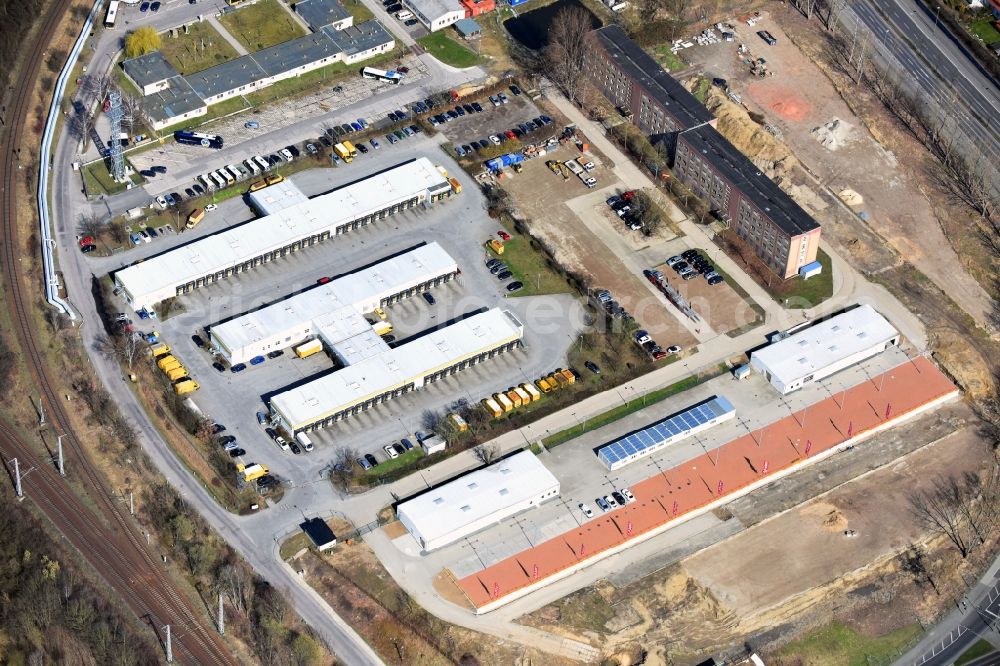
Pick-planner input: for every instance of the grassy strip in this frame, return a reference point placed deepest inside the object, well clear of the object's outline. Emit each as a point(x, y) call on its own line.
point(97, 179)
point(359, 11)
point(261, 25)
point(621, 411)
point(447, 50)
point(293, 544)
point(979, 649)
point(392, 465)
point(838, 644)
point(668, 59)
point(531, 268)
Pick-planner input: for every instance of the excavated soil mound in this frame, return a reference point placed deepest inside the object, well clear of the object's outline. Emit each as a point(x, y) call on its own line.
point(749, 137)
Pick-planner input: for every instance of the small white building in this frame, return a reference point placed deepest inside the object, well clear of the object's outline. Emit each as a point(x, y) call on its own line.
point(436, 14)
point(478, 500)
point(825, 348)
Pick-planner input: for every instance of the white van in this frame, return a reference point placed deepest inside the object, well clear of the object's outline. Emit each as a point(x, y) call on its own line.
point(220, 180)
point(404, 15)
point(262, 163)
point(304, 440)
point(250, 164)
point(207, 181)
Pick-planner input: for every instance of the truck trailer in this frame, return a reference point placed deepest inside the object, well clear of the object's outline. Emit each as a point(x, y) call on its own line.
point(309, 348)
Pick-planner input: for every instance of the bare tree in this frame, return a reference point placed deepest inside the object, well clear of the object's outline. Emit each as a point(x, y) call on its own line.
point(90, 225)
point(238, 585)
point(343, 461)
point(565, 56)
point(487, 453)
point(940, 509)
point(118, 230)
point(80, 124)
point(125, 347)
point(913, 560)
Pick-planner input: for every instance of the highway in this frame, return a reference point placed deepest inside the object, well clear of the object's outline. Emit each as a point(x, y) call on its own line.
point(939, 70)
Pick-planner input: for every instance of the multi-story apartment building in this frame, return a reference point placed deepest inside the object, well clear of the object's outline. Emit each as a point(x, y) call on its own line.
point(783, 235)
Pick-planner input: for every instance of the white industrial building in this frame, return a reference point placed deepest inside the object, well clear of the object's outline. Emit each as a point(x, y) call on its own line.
point(244, 247)
point(478, 500)
point(334, 312)
point(376, 373)
point(436, 14)
point(825, 348)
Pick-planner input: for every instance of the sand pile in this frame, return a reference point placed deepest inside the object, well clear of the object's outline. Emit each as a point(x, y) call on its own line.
point(830, 517)
point(833, 135)
point(734, 123)
point(850, 197)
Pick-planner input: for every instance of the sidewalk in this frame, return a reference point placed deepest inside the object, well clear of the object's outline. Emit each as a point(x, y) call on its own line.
point(215, 23)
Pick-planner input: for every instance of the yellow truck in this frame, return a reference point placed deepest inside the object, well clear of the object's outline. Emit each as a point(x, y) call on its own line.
point(557, 380)
point(457, 422)
point(167, 362)
point(252, 472)
point(456, 186)
point(495, 245)
point(160, 349)
point(544, 386)
point(196, 216)
point(567, 375)
point(514, 398)
point(522, 394)
point(382, 327)
point(274, 179)
point(259, 185)
point(342, 152)
point(186, 386)
point(309, 348)
point(491, 406)
point(177, 373)
point(532, 391)
point(444, 172)
point(351, 150)
point(503, 401)
point(380, 313)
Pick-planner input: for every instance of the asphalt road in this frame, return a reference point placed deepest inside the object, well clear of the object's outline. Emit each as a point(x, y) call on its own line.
point(939, 71)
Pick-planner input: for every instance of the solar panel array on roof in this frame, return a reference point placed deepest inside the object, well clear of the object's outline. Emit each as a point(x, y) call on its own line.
point(652, 438)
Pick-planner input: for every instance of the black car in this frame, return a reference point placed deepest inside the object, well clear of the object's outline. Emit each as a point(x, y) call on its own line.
point(271, 432)
point(273, 160)
point(177, 197)
point(362, 148)
point(429, 103)
point(523, 128)
point(468, 108)
point(147, 173)
point(590, 365)
point(87, 249)
point(228, 439)
point(347, 128)
point(159, 169)
point(198, 340)
point(517, 132)
point(680, 266)
point(619, 498)
point(416, 129)
point(477, 107)
point(339, 131)
point(689, 254)
point(394, 7)
point(429, 298)
point(398, 448)
point(504, 275)
point(198, 188)
point(266, 481)
point(295, 448)
point(514, 89)
point(515, 286)
point(372, 460)
point(275, 354)
point(217, 428)
point(236, 453)
point(293, 150)
point(497, 267)
point(490, 263)
point(459, 110)
point(716, 279)
point(326, 141)
point(218, 366)
point(189, 191)
point(409, 23)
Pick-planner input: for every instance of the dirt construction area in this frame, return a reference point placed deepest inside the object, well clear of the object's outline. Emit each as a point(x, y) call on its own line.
point(836, 150)
point(719, 305)
point(544, 199)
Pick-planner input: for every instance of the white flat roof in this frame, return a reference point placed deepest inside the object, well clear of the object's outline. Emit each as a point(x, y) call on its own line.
point(157, 278)
point(334, 308)
point(277, 197)
point(825, 344)
point(468, 499)
point(410, 362)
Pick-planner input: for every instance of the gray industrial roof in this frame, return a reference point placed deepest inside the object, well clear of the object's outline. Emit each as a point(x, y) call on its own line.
point(745, 176)
point(225, 76)
point(295, 53)
point(172, 102)
point(641, 67)
point(318, 13)
point(359, 38)
point(435, 9)
point(149, 69)
point(467, 27)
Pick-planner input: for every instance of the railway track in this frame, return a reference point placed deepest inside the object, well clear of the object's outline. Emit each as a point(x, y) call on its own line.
point(114, 548)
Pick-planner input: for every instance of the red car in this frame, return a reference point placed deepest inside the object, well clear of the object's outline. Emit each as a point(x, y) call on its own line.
point(510, 134)
point(504, 235)
point(86, 240)
point(322, 280)
point(659, 354)
point(628, 196)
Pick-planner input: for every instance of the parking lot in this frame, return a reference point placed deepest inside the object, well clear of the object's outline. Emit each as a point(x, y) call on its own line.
point(495, 120)
point(459, 224)
point(583, 478)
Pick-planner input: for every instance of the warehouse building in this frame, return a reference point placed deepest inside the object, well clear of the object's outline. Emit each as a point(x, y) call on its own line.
point(333, 312)
point(245, 247)
point(478, 500)
point(377, 374)
point(823, 349)
point(784, 236)
point(436, 14)
point(661, 434)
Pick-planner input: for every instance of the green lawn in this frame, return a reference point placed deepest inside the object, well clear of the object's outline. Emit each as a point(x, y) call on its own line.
point(623, 410)
point(530, 267)
point(359, 11)
point(97, 179)
point(261, 25)
point(447, 50)
point(985, 29)
point(837, 644)
point(701, 92)
point(668, 59)
point(201, 48)
point(980, 648)
point(802, 294)
point(384, 467)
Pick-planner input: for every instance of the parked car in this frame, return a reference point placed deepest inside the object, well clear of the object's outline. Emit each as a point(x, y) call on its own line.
point(604, 506)
point(257, 360)
point(161, 202)
point(407, 444)
point(515, 90)
point(372, 460)
point(593, 367)
point(154, 7)
point(236, 453)
point(87, 249)
point(504, 275)
point(282, 444)
point(197, 340)
point(629, 497)
point(239, 367)
point(618, 497)
point(374, 143)
point(286, 154)
point(503, 234)
point(611, 501)
point(477, 107)
point(251, 124)
point(674, 349)
point(516, 285)
point(362, 148)
point(275, 354)
point(218, 366)
point(295, 448)
point(261, 418)
point(311, 149)
point(429, 298)
point(364, 464)
point(389, 451)
point(399, 449)
point(494, 101)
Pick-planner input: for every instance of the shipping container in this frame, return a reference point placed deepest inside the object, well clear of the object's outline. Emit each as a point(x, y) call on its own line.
point(514, 398)
point(165, 361)
point(186, 386)
point(309, 348)
point(524, 395)
point(492, 407)
point(160, 349)
point(503, 401)
point(532, 391)
point(176, 373)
